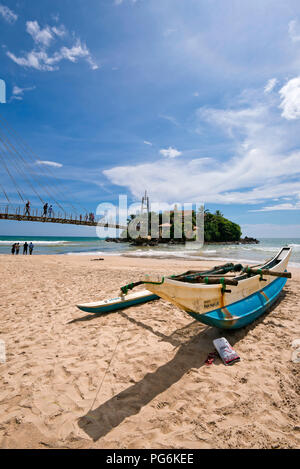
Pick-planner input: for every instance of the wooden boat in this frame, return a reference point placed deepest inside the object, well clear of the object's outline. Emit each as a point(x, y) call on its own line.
point(207, 298)
point(119, 302)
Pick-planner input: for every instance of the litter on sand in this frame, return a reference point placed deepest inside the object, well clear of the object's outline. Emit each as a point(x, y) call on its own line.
point(226, 352)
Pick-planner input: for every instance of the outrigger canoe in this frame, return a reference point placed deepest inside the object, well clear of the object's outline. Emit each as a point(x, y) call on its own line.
point(211, 297)
point(208, 299)
point(219, 300)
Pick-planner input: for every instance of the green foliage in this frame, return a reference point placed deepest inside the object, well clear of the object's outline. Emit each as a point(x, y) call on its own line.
point(217, 228)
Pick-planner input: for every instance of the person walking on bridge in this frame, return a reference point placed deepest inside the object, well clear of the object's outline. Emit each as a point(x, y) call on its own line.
point(27, 208)
point(50, 211)
point(45, 208)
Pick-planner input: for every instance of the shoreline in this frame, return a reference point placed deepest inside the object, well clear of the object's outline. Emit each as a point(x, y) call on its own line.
point(209, 260)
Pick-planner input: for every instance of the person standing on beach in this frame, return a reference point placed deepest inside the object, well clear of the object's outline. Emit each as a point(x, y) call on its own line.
point(17, 248)
point(13, 248)
point(31, 246)
point(25, 248)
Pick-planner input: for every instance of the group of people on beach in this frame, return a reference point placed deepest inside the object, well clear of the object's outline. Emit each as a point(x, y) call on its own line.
point(15, 249)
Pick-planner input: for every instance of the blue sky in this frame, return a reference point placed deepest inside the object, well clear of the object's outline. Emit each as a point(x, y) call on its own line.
point(194, 100)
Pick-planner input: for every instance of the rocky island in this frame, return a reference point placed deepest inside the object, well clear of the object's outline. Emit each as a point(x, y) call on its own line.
point(217, 230)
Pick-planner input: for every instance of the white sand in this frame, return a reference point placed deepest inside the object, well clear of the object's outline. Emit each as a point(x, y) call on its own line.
point(136, 379)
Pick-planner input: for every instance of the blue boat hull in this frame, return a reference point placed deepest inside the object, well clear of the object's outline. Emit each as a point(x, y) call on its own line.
point(245, 311)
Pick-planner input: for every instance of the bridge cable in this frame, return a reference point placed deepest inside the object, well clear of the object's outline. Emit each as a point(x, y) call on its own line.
point(33, 156)
point(27, 179)
point(6, 196)
point(31, 173)
point(12, 178)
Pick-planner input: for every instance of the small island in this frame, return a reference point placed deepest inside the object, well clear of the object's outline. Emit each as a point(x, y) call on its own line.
point(217, 230)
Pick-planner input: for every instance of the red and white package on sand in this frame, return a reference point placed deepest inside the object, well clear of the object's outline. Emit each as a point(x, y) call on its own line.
point(226, 352)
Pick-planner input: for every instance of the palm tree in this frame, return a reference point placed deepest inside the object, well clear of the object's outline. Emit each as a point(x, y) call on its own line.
point(218, 213)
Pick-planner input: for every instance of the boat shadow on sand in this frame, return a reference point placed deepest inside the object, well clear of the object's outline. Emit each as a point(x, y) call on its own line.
point(193, 343)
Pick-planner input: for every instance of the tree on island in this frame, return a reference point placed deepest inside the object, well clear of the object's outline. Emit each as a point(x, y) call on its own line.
point(217, 228)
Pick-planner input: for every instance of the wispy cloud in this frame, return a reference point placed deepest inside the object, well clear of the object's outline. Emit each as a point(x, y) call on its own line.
point(169, 118)
point(147, 143)
point(270, 85)
point(290, 104)
point(40, 59)
point(49, 163)
point(294, 30)
point(264, 164)
point(8, 15)
point(40, 36)
point(18, 93)
point(278, 207)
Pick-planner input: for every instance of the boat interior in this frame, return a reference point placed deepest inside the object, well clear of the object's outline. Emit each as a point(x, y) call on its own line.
point(226, 270)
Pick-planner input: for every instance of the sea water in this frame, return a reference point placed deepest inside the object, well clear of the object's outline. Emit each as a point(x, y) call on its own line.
point(256, 253)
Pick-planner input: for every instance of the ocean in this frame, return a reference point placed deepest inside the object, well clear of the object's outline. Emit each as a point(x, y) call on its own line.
point(97, 247)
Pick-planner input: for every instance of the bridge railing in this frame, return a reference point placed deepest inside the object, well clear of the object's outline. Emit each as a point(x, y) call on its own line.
point(38, 212)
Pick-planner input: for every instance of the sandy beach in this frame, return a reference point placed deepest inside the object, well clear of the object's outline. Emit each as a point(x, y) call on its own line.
point(137, 378)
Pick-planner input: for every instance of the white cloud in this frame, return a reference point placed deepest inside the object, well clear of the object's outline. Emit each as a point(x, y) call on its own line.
point(264, 164)
point(290, 95)
point(294, 30)
point(18, 93)
point(40, 60)
point(147, 143)
point(270, 85)
point(170, 152)
point(49, 163)
point(248, 120)
point(279, 207)
point(40, 36)
point(17, 90)
point(8, 14)
point(229, 182)
point(60, 31)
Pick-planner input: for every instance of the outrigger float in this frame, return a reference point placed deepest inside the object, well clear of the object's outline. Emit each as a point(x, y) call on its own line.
point(228, 296)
